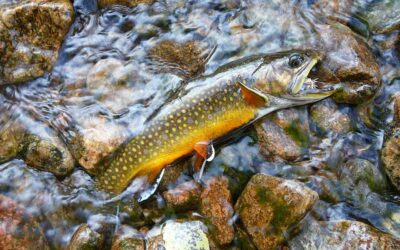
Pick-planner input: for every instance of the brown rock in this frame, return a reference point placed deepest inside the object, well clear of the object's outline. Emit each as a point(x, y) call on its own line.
point(216, 205)
point(11, 138)
point(96, 139)
point(348, 61)
point(31, 33)
point(85, 238)
point(284, 135)
point(172, 175)
point(184, 59)
point(342, 235)
point(18, 230)
point(328, 117)
point(128, 3)
point(268, 206)
point(390, 153)
point(391, 157)
point(128, 238)
point(183, 197)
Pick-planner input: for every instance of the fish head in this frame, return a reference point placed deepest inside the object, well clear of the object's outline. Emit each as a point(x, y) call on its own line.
point(283, 78)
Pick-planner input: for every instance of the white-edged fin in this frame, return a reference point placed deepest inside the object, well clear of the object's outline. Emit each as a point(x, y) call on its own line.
point(146, 194)
point(209, 159)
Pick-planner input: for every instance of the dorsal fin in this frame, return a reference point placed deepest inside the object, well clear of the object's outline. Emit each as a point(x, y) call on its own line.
point(252, 96)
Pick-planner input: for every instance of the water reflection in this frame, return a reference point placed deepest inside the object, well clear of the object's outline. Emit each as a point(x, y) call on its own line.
point(111, 76)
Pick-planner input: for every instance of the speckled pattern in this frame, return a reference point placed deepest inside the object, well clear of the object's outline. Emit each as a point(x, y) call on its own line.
point(207, 112)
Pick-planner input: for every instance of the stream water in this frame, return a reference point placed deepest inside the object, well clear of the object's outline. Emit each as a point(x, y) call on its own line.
point(109, 79)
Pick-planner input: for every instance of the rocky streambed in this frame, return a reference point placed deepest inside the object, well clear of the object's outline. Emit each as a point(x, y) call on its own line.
point(79, 78)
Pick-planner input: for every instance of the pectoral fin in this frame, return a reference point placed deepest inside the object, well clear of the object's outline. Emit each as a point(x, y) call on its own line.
point(205, 153)
point(252, 96)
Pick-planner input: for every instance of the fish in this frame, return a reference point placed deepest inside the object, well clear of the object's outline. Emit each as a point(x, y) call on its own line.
point(212, 106)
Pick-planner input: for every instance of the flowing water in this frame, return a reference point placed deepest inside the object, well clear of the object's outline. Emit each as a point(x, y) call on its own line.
point(107, 82)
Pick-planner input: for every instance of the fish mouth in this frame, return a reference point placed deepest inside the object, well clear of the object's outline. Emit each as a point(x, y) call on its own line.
point(304, 89)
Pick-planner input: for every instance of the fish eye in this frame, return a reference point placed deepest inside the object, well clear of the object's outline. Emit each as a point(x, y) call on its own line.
point(295, 60)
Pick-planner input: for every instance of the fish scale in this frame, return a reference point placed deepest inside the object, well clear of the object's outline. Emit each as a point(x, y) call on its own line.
point(215, 111)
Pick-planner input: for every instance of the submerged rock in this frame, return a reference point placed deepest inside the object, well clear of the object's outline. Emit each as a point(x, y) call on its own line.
point(85, 238)
point(184, 59)
point(356, 171)
point(216, 205)
point(183, 197)
point(17, 229)
point(174, 235)
point(128, 238)
point(128, 3)
point(31, 32)
point(47, 152)
point(269, 205)
point(342, 235)
point(391, 148)
point(328, 117)
point(284, 135)
point(347, 61)
point(383, 16)
point(96, 139)
point(12, 136)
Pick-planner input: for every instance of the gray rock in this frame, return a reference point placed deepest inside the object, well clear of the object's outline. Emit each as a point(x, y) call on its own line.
point(174, 235)
point(47, 152)
point(342, 235)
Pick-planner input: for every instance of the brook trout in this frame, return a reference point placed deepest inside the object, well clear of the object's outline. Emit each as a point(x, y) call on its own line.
point(210, 107)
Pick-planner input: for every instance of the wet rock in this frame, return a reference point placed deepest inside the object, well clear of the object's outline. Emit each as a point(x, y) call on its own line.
point(11, 139)
point(347, 61)
point(128, 3)
point(31, 32)
point(328, 117)
point(96, 139)
point(326, 188)
point(184, 59)
point(284, 135)
point(342, 235)
point(268, 206)
point(47, 152)
point(116, 84)
point(174, 235)
point(216, 205)
point(128, 238)
point(173, 175)
point(131, 208)
point(183, 197)
point(17, 229)
point(332, 7)
point(383, 16)
point(85, 238)
point(390, 153)
point(360, 170)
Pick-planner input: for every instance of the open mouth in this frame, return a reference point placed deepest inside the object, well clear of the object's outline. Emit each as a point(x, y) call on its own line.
point(307, 89)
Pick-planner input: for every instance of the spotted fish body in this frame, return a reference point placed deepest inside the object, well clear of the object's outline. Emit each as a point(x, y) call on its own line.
point(209, 110)
point(211, 107)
